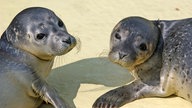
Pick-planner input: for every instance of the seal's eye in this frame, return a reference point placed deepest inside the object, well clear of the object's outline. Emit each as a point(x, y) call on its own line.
point(40, 36)
point(60, 23)
point(117, 36)
point(143, 47)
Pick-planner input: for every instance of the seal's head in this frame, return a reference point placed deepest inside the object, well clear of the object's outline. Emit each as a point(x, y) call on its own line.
point(133, 41)
point(40, 32)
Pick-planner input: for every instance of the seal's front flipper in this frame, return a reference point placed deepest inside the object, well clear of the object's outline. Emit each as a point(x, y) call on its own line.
point(48, 94)
point(122, 95)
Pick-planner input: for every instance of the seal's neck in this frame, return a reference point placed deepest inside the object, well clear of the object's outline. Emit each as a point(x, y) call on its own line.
point(42, 67)
point(168, 27)
point(150, 70)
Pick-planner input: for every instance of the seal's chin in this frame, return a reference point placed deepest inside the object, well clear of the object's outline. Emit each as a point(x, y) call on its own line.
point(126, 65)
point(63, 50)
point(46, 56)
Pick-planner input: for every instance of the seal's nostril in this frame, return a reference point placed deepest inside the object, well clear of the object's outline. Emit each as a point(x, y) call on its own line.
point(68, 40)
point(122, 55)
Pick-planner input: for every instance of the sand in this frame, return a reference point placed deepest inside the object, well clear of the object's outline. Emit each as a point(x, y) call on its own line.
point(81, 77)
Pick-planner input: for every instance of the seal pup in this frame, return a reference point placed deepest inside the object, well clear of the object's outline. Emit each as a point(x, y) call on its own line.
point(157, 53)
point(27, 51)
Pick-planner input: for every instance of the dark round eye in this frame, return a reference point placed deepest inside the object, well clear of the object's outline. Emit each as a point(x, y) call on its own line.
point(40, 36)
point(60, 23)
point(143, 47)
point(117, 36)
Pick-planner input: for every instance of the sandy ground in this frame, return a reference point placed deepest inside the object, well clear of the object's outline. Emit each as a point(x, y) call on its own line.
point(82, 77)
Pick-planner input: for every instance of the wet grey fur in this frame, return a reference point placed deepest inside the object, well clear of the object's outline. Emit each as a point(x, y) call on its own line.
point(27, 51)
point(166, 72)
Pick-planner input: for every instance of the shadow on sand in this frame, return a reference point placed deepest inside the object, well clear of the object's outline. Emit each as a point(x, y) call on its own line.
point(67, 79)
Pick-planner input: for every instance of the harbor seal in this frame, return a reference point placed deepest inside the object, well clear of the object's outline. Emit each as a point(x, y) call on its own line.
point(157, 53)
point(27, 51)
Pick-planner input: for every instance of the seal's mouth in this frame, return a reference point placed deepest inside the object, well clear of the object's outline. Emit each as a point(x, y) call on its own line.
point(63, 51)
point(128, 64)
point(124, 64)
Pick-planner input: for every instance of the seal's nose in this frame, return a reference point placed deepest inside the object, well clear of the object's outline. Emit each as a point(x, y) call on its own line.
point(67, 40)
point(122, 55)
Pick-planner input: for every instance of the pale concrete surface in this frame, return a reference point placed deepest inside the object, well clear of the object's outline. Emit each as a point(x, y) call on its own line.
point(82, 77)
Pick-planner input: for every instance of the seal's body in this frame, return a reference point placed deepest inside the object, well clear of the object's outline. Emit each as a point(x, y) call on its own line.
point(27, 51)
point(158, 53)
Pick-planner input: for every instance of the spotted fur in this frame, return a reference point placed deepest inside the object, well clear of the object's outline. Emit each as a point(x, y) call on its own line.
point(165, 67)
